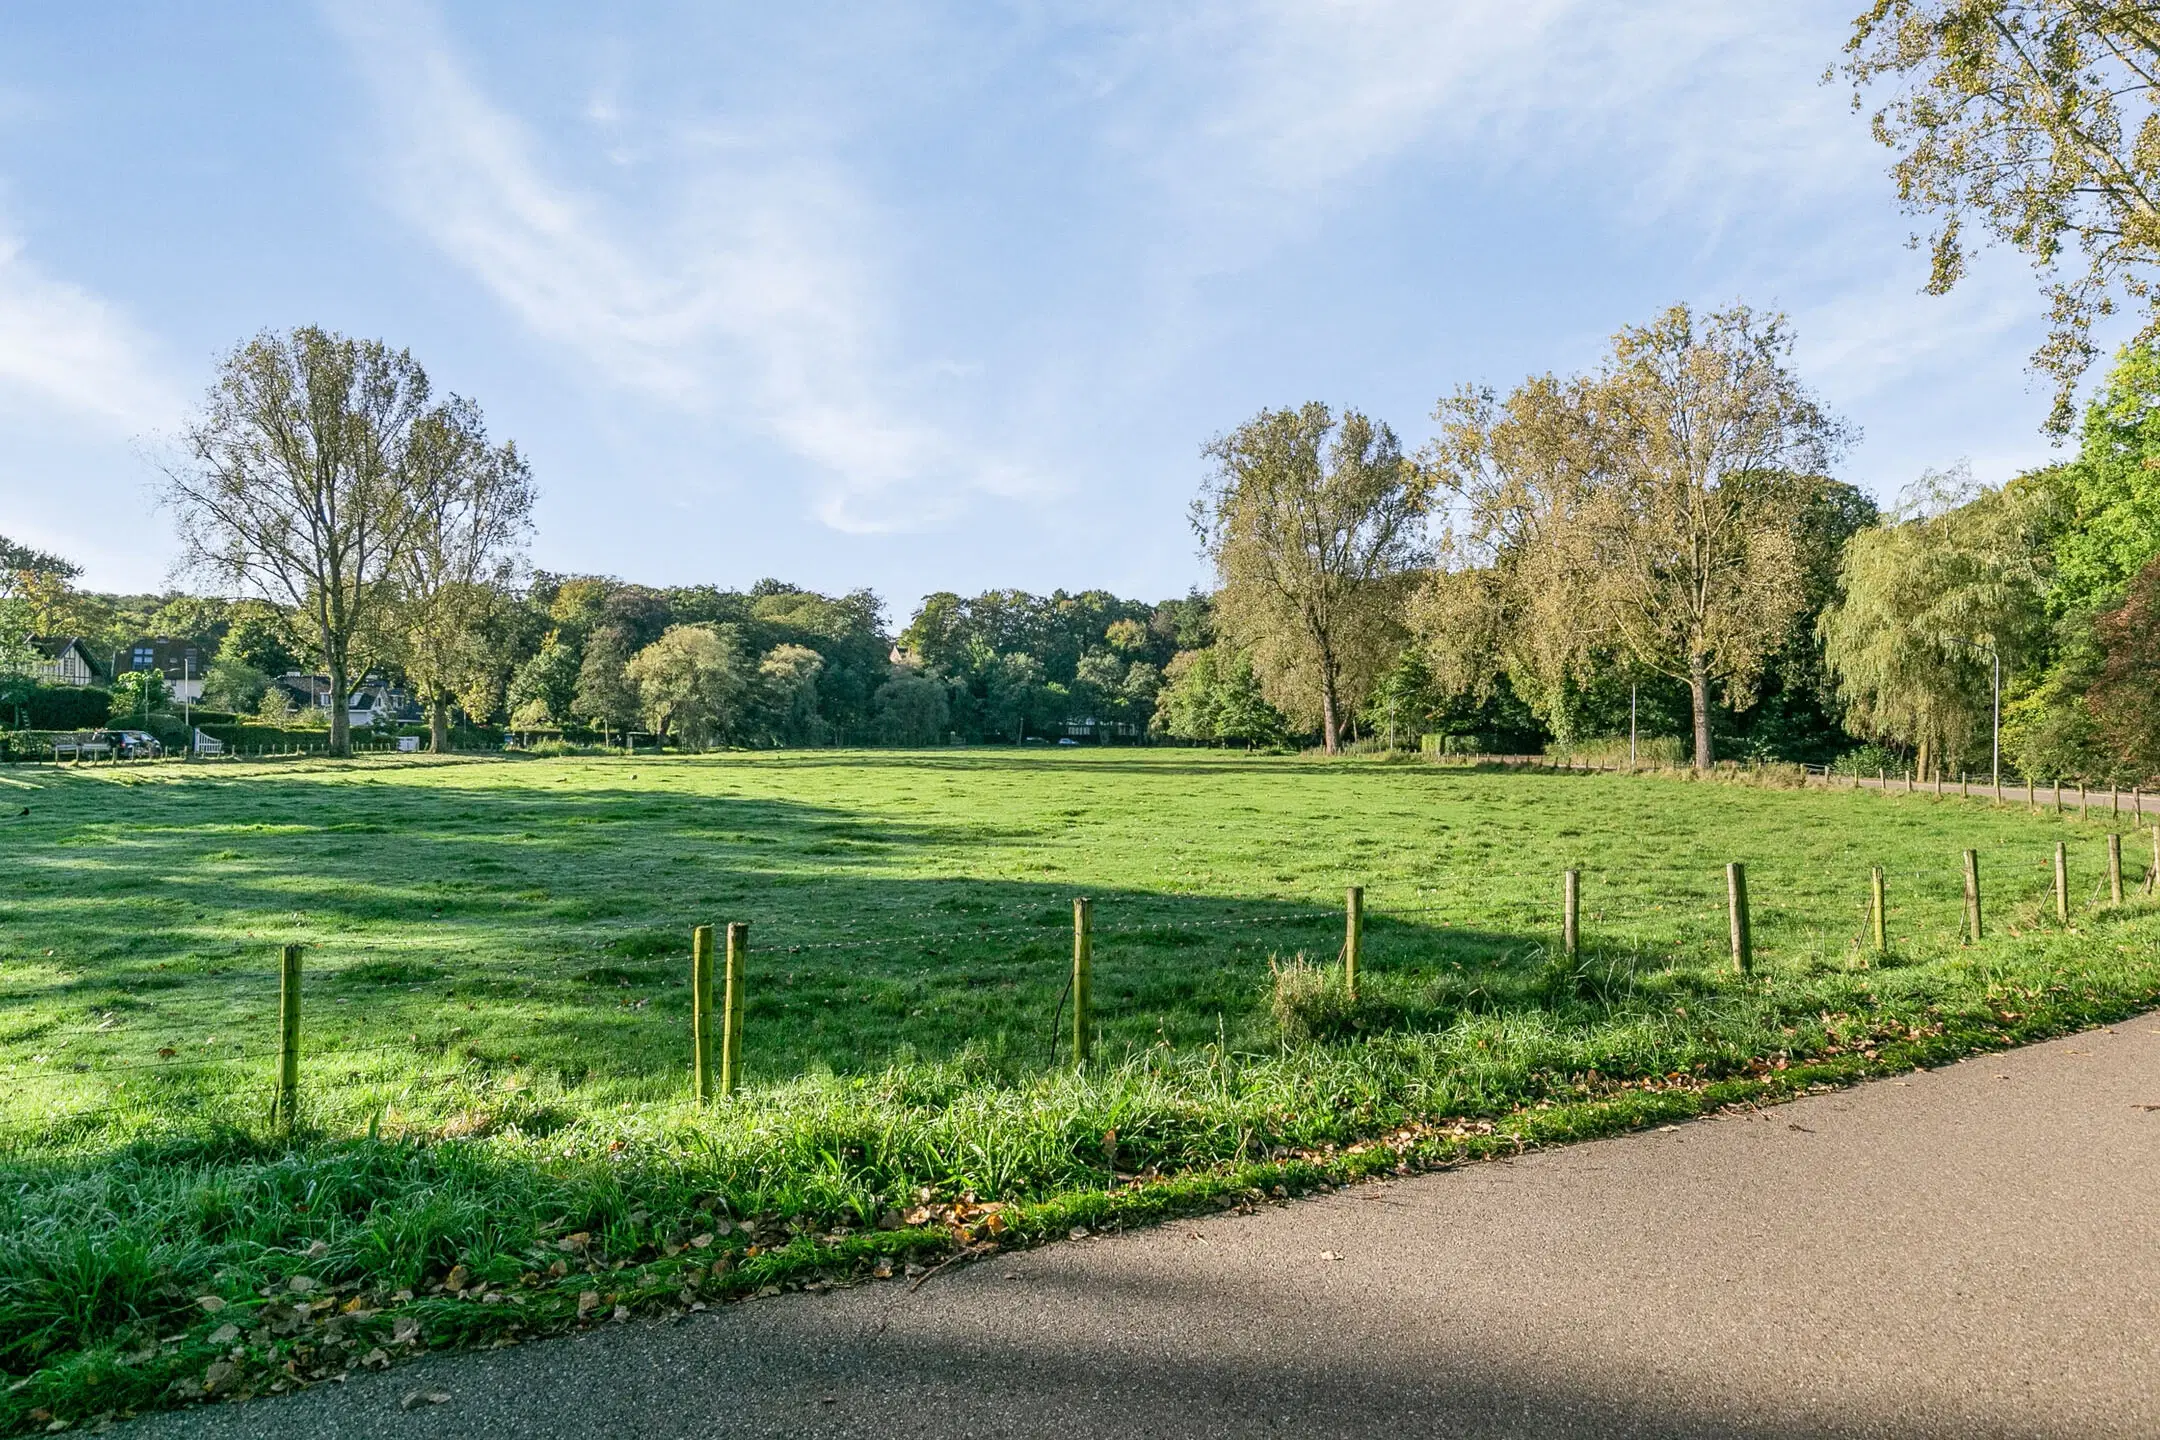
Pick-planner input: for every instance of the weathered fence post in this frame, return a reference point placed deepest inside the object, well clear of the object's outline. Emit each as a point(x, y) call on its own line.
point(2030, 803)
point(1353, 937)
point(2115, 891)
point(1965, 784)
point(1972, 895)
point(1571, 913)
point(1083, 977)
point(735, 998)
point(288, 1082)
point(2062, 883)
point(1743, 938)
point(701, 1026)
point(2084, 801)
point(2152, 875)
point(1881, 912)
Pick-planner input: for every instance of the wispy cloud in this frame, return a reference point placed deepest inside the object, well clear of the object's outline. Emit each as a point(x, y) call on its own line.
point(62, 346)
point(749, 289)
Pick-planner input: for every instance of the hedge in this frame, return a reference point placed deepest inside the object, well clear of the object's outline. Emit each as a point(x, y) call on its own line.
point(63, 707)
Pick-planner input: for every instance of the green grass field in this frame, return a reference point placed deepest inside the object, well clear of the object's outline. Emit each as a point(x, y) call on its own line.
point(497, 1011)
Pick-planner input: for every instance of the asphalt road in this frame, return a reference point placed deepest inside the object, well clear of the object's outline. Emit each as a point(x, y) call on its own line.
point(1967, 1252)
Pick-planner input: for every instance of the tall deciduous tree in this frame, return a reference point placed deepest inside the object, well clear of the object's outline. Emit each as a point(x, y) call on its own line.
point(690, 683)
point(605, 695)
point(473, 515)
point(1510, 594)
point(1313, 527)
point(1653, 510)
point(297, 485)
point(2040, 121)
point(1708, 443)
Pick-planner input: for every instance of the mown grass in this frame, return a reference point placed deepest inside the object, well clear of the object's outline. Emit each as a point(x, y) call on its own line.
point(498, 1020)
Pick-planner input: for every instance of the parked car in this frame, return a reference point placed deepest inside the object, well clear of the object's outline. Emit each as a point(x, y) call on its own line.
point(137, 744)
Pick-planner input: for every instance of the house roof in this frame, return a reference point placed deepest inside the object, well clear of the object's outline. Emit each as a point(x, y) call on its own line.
point(52, 647)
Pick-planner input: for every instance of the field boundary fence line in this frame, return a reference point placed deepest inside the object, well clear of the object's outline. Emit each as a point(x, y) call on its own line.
point(1879, 903)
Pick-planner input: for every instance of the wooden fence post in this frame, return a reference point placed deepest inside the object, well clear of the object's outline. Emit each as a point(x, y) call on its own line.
point(1736, 907)
point(737, 996)
point(1353, 937)
point(2084, 801)
point(2115, 891)
point(2152, 875)
point(1571, 913)
point(2030, 803)
point(288, 1083)
point(1965, 784)
point(2062, 883)
point(1881, 912)
point(1972, 895)
point(701, 1026)
point(1083, 978)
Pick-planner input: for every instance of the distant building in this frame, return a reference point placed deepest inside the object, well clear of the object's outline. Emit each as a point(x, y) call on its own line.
point(182, 663)
point(374, 702)
point(63, 660)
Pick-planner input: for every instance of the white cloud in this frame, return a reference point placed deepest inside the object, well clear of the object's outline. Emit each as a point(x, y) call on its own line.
point(751, 291)
point(61, 345)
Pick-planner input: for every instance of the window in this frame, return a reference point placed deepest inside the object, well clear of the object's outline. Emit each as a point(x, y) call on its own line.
point(144, 657)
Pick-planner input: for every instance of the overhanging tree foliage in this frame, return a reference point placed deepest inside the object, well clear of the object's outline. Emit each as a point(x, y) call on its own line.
point(2039, 120)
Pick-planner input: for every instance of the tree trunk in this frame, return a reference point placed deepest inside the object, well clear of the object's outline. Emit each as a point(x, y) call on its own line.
point(340, 721)
point(439, 725)
point(1699, 697)
point(1329, 731)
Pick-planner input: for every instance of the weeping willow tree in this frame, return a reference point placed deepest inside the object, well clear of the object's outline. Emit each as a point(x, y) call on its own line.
point(1924, 604)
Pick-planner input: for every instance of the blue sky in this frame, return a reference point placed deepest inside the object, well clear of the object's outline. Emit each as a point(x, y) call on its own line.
point(924, 296)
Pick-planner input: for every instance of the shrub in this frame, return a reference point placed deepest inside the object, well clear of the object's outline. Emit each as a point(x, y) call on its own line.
point(1868, 760)
point(1310, 1001)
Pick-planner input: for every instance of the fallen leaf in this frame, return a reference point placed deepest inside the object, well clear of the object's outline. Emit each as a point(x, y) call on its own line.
point(225, 1334)
point(701, 1241)
point(1329, 1255)
point(622, 1313)
point(301, 1284)
point(587, 1303)
point(574, 1242)
point(1078, 1232)
point(423, 1397)
point(405, 1331)
point(211, 1304)
point(455, 1280)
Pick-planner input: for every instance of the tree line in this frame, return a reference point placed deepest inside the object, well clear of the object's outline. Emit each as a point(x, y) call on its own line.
point(1657, 542)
